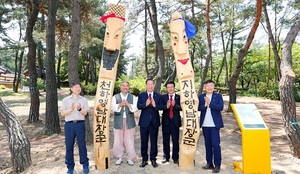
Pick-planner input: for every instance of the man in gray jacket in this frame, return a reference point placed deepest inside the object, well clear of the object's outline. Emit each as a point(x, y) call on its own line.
point(124, 105)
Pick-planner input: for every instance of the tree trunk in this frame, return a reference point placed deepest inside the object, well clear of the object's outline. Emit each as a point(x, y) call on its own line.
point(172, 76)
point(159, 47)
point(224, 61)
point(19, 144)
point(89, 137)
point(286, 84)
point(15, 82)
point(41, 73)
point(242, 54)
point(18, 70)
point(232, 34)
point(193, 51)
point(271, 39)
point(208, 58)
point(153, 73)
point(192, 44)
point(74, 43)
point(52, 118)
point(92, 70)
point(58, 71)
point(87, 68)
point(89, 72)
point(39, 60)
point(74, 50)
point(145, 41)
point(31, 60)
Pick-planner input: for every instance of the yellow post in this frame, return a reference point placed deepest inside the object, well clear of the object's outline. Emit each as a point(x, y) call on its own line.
point(255, 140)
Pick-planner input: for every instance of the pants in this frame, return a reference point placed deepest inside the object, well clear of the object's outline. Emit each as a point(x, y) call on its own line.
point(212, 145)
point(124, 137)
point(77, 130)
point(173, 131)
point(151, 131)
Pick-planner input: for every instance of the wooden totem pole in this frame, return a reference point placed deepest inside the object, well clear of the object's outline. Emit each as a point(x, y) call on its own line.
point(181, 30)
point(110, 56)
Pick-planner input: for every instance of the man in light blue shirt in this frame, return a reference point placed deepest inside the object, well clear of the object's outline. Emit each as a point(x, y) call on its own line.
point(74, 108)
point(211, 104)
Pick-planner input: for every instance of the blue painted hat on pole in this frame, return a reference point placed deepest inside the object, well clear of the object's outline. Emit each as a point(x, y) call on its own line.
point(190, 29)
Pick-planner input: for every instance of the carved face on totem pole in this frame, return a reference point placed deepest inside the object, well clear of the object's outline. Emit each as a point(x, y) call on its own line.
point(179, 39)
point(181, 30)
point(112, 39)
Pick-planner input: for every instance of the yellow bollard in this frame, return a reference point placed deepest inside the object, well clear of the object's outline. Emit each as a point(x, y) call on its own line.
point(255, 140)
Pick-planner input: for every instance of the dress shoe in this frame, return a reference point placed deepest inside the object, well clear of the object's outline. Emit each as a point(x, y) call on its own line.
point(175, 161)
point(208, 166)
point(154, 164)
point(164, 161)
point(216, 169)
point(143, 164)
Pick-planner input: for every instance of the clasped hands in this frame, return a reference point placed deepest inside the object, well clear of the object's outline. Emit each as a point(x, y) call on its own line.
point(78, 107)
point(170, 103)
point(207, 101)
point(150, 102)
point(124, 103)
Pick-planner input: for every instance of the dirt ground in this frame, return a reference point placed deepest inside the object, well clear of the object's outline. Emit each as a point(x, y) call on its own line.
point(48, 153)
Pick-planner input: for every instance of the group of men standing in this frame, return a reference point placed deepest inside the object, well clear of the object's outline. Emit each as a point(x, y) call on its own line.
point(124, 104)
point(150, 102)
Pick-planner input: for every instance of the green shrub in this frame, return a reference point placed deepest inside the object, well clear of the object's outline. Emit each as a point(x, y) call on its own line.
point(262, 89)
point(2, 87)
point(137, 84)
point(25, 82)
point(296, 91)
point(117, 89)
point(273, 92)
point(89, 89)
point(41, 84)
point(251, 92)
point(135, 91)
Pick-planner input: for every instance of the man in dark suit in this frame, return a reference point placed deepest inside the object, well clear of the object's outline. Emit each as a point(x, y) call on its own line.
point(211, 104)
point(171, 122)
point(149, 102)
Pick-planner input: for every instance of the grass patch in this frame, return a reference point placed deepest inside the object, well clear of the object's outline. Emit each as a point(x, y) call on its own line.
point(5, 92)
point(9, 92)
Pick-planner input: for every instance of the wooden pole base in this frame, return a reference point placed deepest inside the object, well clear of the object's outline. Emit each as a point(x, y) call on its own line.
point(103, 156)
point(186, 158)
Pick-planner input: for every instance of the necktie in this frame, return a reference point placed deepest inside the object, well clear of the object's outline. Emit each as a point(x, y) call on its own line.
point(150, 98)
point(171, 107)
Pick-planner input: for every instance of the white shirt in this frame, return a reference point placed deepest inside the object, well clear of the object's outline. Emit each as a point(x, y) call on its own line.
point(208, 120)
point(74, 115)
point(151, 94)
point(114, 104)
